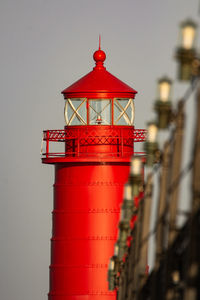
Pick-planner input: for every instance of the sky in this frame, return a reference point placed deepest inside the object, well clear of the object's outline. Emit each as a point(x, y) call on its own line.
point(46, 45)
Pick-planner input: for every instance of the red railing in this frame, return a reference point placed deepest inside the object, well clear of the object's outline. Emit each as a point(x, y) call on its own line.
point(78, 137)
point(61, 135)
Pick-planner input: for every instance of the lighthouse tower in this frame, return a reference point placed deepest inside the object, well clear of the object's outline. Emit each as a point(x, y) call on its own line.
point(90, 173)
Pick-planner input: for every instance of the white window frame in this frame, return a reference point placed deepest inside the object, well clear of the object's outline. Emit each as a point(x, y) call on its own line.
point(75, 111)
point(122, 110)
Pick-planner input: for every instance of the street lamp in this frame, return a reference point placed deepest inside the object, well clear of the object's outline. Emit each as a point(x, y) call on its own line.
point(124, 231)
point(136, 175)
point(111, 274)
point(176, 277)
point(151, 145)
point(188, 33)
point(116, 249)
point(163, 105)
point(114, 268)
point(136, 166)
point(186, 51)
point(127, 206)
point(152, 132)
point(117, 262)
point(125, 218)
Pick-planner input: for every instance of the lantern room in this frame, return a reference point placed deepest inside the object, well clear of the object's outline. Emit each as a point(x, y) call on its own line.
point(99, 98)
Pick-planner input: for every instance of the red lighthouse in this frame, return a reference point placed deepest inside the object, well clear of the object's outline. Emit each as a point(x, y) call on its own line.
point(90, 173)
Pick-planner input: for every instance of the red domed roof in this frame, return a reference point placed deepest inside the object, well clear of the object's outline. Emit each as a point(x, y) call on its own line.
point(99, 83)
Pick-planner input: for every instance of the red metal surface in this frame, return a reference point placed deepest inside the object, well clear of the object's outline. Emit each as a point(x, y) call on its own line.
point(99, 83)
point(87, 200)
point(90, 174)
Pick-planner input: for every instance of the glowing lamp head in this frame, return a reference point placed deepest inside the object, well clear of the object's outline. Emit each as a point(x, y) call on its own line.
point(176, 277)
point(116, 249)
point(164, 88)
point(136, 166)
point(152, 132)
point(111, 274)
point(188, 34)
point(111, 264)
point(163, 105)
point(127, 205)
point(136, 175)
point(186, 51)
point(151, 145)
point(128, 192)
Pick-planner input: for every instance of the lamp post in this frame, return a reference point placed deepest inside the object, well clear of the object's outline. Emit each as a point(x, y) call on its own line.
point(136, 175)
point(186, 52)
point(111, 274)
point(124, 224)
point(163, 105)
point(113, 269)
point(127, 206)
point(151, 145)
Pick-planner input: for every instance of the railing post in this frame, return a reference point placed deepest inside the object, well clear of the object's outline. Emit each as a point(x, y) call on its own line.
point(47, 143)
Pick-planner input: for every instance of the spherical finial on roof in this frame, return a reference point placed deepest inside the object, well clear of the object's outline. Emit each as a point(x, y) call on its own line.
point(99, 56)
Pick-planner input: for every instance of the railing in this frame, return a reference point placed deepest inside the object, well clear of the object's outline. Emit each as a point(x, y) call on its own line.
point(76, 140)
point(61, 135)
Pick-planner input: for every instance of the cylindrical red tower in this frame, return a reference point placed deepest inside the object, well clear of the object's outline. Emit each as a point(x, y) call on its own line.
point(90, 173)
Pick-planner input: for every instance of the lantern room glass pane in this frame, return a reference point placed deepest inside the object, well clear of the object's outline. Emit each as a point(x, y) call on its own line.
point(100, 112)
point(75, 111)
point(123, 111)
